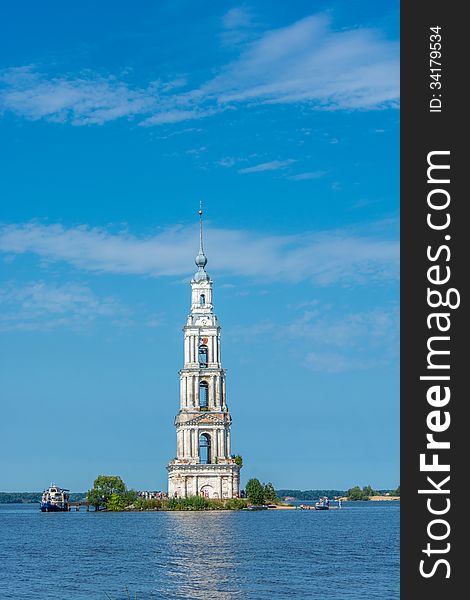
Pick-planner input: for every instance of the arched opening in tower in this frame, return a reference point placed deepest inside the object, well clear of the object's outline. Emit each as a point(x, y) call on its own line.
point(205, 448)
point(203, 394)
point(202, 356)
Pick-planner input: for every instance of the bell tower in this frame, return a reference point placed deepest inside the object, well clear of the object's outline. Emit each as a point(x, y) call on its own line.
point(203, 463)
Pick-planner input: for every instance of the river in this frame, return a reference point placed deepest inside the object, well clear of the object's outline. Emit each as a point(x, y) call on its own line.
point(352, 553)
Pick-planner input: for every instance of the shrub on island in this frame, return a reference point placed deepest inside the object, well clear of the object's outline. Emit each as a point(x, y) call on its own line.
point(203, 503)
point(190, 503)
point(148, 504)
point(110, 492)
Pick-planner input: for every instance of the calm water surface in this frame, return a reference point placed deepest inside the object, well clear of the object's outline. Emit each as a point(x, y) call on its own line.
point(345, 554)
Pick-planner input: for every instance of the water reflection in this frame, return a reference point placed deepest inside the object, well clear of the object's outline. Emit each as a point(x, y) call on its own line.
point(202, 560)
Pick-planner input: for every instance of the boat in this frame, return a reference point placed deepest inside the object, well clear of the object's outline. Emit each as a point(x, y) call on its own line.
point(323, 504)
point(55, 499)
point(255, 507)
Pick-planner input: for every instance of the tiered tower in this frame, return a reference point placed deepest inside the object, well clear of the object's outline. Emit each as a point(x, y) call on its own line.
point(203, 463)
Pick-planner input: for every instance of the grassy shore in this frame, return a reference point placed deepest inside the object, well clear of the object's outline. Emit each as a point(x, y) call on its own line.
point(192, 503)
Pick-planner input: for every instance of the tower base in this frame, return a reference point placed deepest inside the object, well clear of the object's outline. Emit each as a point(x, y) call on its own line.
point(212, 481)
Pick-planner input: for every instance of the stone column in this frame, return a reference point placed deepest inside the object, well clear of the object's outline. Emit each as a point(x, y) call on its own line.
point(210, 392)
point(182, 394)
point(187, 449)
point(189, 391)
point(179, 444)
point(195, 444)
point(217, 390)
point(215, 437)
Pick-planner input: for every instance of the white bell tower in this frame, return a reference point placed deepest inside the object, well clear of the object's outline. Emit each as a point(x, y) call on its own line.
point(203, 463)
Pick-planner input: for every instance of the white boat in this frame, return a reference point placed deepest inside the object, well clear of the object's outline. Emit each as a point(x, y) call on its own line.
point(55, 499)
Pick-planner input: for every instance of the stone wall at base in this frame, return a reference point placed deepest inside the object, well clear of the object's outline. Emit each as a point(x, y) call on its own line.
point(213, 481)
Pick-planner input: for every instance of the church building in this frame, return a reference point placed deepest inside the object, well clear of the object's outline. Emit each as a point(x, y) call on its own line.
point(204, 464)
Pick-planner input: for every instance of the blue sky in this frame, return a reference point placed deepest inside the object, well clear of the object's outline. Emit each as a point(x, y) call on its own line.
point(116, 119)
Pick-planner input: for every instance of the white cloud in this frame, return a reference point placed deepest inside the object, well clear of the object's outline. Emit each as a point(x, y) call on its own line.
point(43, 306)
point(227, 161)
point(346, 330)
point(306, 176)
point(306, 62)
point(237, 17)
point(80, 100)
point(335, 362)
point(345, 340)
point(238, 26)
point(177, 116)
point(309, 62)
point(345, 256)
point(273, 165)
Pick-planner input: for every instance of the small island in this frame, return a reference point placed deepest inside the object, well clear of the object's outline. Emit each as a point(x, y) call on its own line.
point(110, 493)
point(368, 493)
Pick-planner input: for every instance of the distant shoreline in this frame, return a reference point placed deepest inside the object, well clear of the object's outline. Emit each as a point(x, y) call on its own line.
point(35, 497)
point(381, 498)
point(371, 499)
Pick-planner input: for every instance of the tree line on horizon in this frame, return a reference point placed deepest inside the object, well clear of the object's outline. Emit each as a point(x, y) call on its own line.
point(33, 497)
point(309, 494)
point(354, 493)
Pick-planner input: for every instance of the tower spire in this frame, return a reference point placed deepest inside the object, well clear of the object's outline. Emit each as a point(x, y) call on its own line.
point(201, 247)
point(201, 259)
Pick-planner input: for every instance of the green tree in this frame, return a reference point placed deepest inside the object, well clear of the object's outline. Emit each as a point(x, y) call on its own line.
point(255, 491)
point(368, 491)
point(356, 493)
point(116, 502)
point(269, 493)
point(103, 488)
point(239, 460)
point(129, 497)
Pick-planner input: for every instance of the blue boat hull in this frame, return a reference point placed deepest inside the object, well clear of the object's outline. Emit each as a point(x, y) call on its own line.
point(49, 507)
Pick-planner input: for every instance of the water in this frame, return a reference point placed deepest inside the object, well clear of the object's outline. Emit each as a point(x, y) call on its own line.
point(345, 554)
